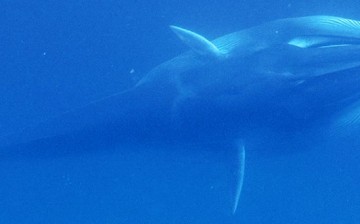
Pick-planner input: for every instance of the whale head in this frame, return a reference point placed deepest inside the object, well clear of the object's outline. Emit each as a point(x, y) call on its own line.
point(274, 65)
point(296, 47)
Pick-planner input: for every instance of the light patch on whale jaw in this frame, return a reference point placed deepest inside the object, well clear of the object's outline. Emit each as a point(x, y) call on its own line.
point(322, 42)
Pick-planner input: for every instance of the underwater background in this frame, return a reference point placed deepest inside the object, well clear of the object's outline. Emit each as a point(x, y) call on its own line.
point(59, 55)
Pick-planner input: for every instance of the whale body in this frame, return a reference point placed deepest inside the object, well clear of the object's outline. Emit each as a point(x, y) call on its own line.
point(265, 84)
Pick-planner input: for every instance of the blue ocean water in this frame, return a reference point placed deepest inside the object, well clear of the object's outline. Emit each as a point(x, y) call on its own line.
point(59, 55)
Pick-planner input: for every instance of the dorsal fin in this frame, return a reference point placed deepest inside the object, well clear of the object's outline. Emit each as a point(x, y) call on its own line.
point(198, 43)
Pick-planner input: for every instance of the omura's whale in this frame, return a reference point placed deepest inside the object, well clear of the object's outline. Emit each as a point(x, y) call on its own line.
point(266, 84)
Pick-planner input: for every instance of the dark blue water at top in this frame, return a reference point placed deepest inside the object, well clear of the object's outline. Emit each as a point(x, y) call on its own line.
point(57, 55)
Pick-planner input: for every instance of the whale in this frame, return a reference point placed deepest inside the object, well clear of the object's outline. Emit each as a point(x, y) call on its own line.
point(260, 87)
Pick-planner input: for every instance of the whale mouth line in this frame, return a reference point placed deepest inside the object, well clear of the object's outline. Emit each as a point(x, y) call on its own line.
point(323, 41)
